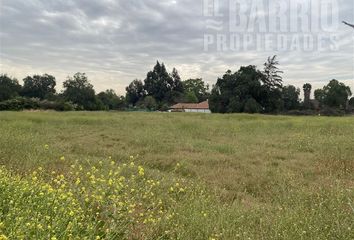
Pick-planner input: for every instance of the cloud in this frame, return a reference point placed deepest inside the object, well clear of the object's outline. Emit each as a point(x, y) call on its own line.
point(116, 41)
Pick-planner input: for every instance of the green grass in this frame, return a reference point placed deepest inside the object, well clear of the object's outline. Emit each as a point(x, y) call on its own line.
point(247, 176)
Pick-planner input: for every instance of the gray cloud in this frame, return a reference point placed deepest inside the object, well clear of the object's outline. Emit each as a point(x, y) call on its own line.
point(115, 41)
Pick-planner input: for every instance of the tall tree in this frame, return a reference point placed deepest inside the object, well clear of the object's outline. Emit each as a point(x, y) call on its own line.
point(79, 90)
point(9, 88)
point(307, 94)
point(39, 86)
point(111, 100)
point(334, 94)
point(272, 73)
point(177, 86)
point(290, 96)
point(198, 87)
point(162, 86)
point(135, 92)
point(233, 90)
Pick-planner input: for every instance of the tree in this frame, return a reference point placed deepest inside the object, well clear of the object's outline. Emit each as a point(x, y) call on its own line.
point(149, 103)
point(9, 88)
point(233, 90)
point(135, 92)
point(334, 94)
point(79, 90)
point(272, 78)
point(177, 86)
point(111, 100)
point(290, 96)
point(198, 87)
point(190, 97)
point(38, 86)
point(252, 106)
point(307, 94)
point(319, 95)
point(164, 87)
point(351, 102)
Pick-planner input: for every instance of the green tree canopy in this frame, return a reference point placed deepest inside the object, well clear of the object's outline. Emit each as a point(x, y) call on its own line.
point(111, 100)
point(290, 96)
point(190, 97)
point(161, 85)
point(39, 86)
point(232, 91)
point(79, 90)
point(9, 88)
point(334, 94)
point(198, 87)
point(149, 103)
point(135, 92)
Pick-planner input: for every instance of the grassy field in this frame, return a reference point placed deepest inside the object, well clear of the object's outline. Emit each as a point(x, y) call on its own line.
point(103, 175)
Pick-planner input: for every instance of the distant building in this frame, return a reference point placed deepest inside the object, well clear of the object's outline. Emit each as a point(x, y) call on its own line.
point(202, 107)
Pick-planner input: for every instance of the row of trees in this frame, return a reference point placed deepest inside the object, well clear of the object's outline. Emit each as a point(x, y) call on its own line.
point(248, 90)
point(160, 89)
point(261, 91)
point(39, 91)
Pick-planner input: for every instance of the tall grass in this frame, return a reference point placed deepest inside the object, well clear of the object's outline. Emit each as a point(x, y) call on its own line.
point(70, 176)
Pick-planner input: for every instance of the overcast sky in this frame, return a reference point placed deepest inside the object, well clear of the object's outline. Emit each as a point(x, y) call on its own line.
point(117, 41)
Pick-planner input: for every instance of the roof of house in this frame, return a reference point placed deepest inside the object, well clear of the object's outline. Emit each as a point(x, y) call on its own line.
point(202, 105)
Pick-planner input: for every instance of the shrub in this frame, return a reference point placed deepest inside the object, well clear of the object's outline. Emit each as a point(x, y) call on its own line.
point(57, 106)
point(19, 103)
point(328, 111)
point(252, 106)
point(22, 103)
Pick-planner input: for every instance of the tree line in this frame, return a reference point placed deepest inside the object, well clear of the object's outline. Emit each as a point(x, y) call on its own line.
point(38, 92)
point(249, 90)
point(252, 90)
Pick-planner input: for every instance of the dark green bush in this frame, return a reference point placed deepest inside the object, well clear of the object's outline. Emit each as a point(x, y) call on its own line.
point(21, 103)
point(252, 106)
point(328, 111)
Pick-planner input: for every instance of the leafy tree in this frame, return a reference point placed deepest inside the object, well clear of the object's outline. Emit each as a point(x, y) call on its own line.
point(79, 90)
point(252, 106)
point(39, 86)
point(198, 87)
point(9, 88)
point(334, 94)
point(232, 91)
point(149, 103)
point(290, 96)
point(217, 102)
point(177, 85)
point(351, 102)
point(135, 92)
point(111, 100)
point(307, 94)
point(164, 87)
point(272, 78)
point(319, 95)
point(190, 97)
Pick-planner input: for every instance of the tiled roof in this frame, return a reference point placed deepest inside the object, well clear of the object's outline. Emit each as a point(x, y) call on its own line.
point(202, 105)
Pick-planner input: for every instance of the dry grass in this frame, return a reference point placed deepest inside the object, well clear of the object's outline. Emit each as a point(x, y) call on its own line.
point(273, 167)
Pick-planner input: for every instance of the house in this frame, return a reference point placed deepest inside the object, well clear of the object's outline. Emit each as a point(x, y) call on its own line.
point(202, 107)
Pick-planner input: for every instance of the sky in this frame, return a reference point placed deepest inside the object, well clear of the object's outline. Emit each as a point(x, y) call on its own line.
point(117, 41)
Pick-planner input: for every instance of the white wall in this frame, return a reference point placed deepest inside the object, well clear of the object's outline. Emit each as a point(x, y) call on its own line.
point(198, 110)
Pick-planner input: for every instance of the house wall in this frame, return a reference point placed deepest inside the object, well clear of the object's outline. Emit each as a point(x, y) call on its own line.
point(197, 110)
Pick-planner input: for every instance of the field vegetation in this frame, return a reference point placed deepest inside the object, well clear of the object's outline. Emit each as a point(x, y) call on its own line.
point(100, 175)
